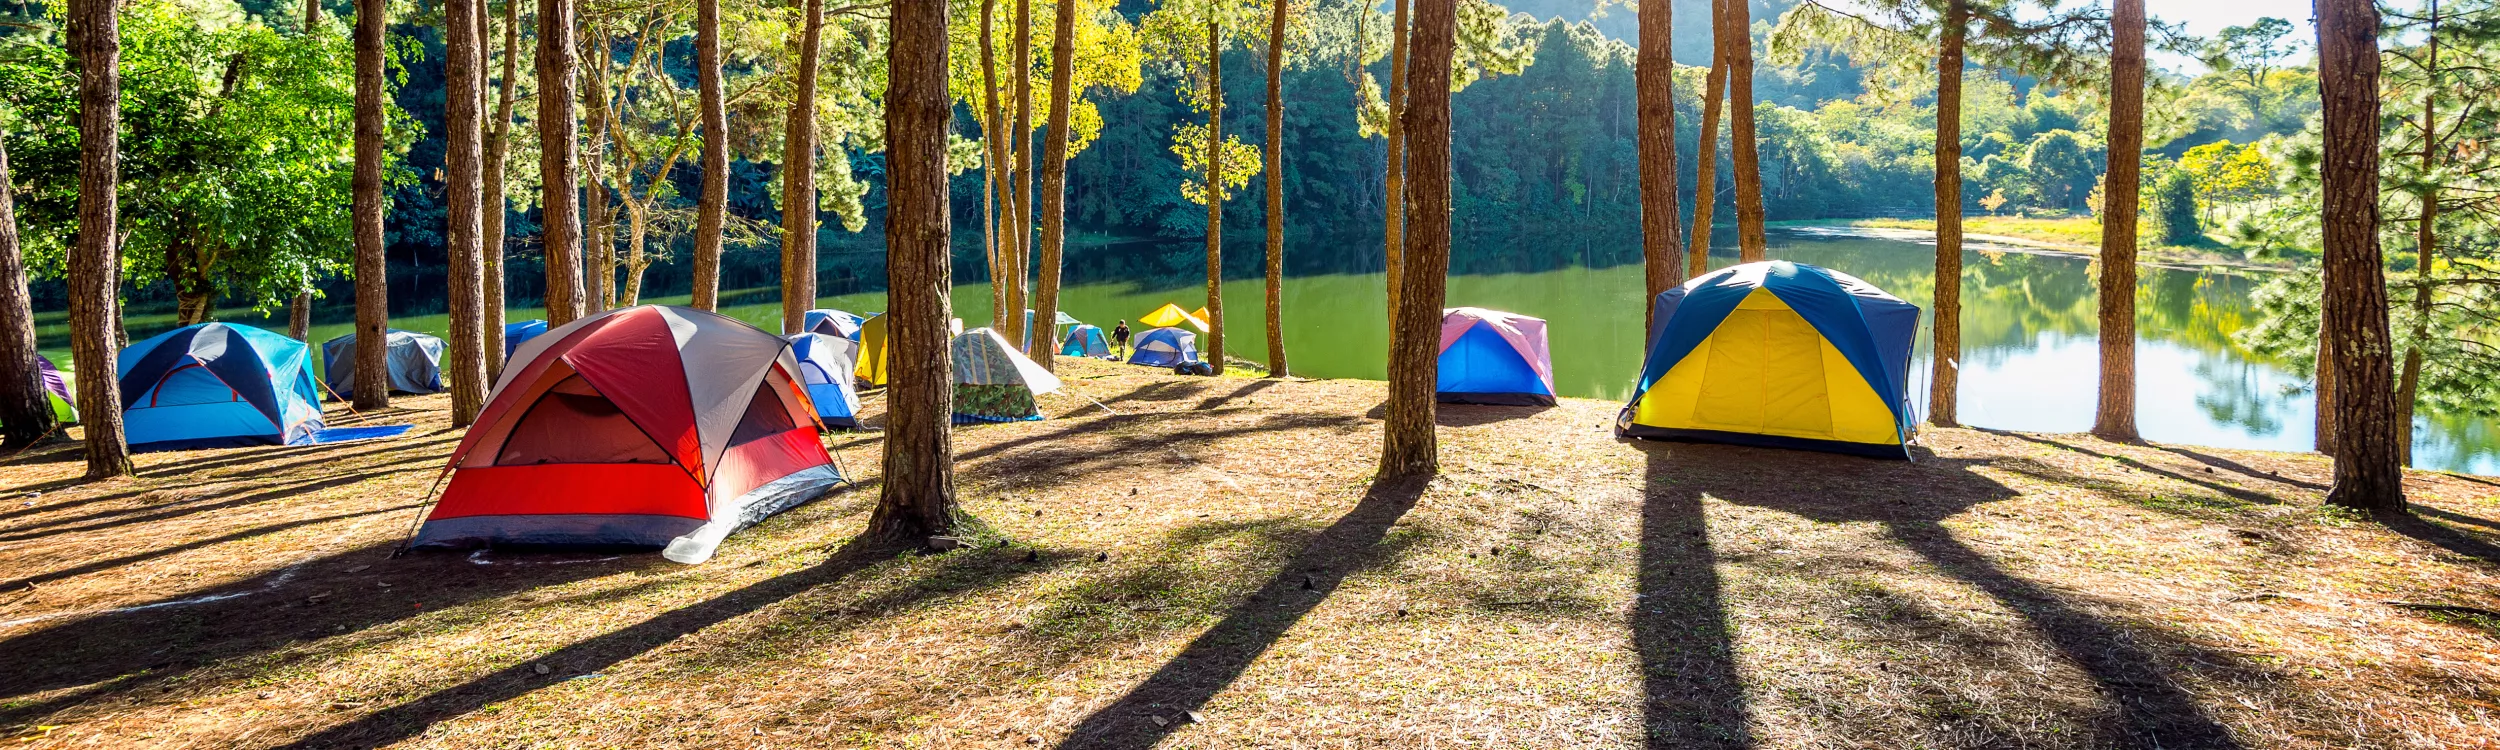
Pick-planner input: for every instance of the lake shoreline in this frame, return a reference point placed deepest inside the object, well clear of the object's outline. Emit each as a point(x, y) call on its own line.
point(1923, 231)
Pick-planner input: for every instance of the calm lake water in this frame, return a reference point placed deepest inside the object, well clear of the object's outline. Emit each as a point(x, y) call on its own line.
point(2029, 327)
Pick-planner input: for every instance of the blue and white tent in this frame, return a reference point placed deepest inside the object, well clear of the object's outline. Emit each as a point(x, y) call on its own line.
point(1778, 354)
point(216, 385)
point(825, 365)
point(1492, 357)
point(1086, 341)
point(831, 322)
point(1164, 347)
point(514, 334)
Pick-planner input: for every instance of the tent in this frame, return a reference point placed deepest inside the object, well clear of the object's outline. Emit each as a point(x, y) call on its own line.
point(1060, 320)
point(831, 322)
point(1778, 354)
point(1492, 357)
point(871, 355)
point(1164, 347)
point(515, 333)
point(825, 369)
point(1086, 341)
point(416, 362)
point(643, 427)
point(994, 382)
point(1170, 315)
point(56, 391)
point(216, 385)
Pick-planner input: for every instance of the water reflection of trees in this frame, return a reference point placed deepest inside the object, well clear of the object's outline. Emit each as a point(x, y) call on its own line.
point(2235, 394)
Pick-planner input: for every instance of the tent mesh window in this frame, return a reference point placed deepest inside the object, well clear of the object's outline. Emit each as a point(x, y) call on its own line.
point(767, 416)
point(573, 424)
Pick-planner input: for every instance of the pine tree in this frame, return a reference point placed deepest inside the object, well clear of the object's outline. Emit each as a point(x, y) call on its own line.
point(917, 498)
point(1409, 446)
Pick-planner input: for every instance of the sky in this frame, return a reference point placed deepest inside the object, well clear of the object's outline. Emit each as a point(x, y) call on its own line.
point(2205, 17)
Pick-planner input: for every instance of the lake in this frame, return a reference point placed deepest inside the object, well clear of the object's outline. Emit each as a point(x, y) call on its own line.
point(2029, 326)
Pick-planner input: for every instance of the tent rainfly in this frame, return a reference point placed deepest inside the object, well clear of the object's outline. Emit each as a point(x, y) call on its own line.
point(1170, 315)
point(1164, 347)
point(831, 322)
point(1493, 357)
point(1086, 341)
point(415, 359)
point(217, 385)
point(825, 369)
point(994, 382)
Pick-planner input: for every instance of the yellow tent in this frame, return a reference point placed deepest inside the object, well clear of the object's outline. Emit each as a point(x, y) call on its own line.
point(872, 351)
point(1170, 315)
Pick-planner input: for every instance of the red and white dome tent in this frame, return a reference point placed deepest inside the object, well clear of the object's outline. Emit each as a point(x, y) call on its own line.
point(644, 427)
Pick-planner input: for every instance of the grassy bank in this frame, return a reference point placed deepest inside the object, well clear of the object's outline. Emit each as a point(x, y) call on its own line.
point(1213, 565)
point(2074, 234)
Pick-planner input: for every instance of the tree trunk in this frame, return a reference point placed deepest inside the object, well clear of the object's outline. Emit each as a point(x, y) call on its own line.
point(2369, 466)
point(1275, 168)
point(463, 98)
point(25, 408)
point(917, 498)
point(2323, 400)
point(1706, 163)
point(994, 141)
point(1021, 205)
point(1215, 195)
point(712, 209)
point(1944, 382)
point(2116, 420)
point(373, 312)
point(1654, 82)
point(798, 178)
point(598, 219)
point(1408, 445)
point(559, 190)
point(1395, 185)
point(94, 263)
point(1743, 147)
point(638, 223)
point(299, 317)
point(492, 200)
point(187, 273)
point(1045, 349)
point(2425, 243)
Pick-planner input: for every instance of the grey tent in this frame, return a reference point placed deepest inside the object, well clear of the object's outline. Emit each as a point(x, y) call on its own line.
point(416, 363)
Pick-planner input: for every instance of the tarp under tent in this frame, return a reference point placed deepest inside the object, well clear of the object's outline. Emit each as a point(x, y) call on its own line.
point(516, 333)
point(1170, 316)
point(1164, 347)
point(994, 382)
point(825, 369)
point(1085, 341)
point(1494, 357)
point(871, 367)
point(218, 385)
point(1778, 354)
point(831, 322)
point(415, 359)
point(640, 427)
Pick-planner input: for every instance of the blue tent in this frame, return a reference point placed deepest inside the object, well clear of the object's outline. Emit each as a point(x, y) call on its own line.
point(825, 365)
point(1060, 317)
point(516, 333)
point(831, 322)
point(215, 385)
point(1164, 347)
point(1778, 354)
point(1086, 341)
point(1492, 357)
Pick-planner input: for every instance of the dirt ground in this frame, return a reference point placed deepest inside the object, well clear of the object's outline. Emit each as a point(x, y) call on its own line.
point(1213, 566)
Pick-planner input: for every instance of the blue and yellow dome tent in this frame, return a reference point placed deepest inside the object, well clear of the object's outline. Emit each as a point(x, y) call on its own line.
point(1778, 354)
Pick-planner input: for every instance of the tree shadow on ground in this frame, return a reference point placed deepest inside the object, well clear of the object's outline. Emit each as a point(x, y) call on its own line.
point(1221, 654)
point(2142, 704)
point(1476, 415)
point(103, 520)
point(2234, 492)
point(2235, 466)
point(977, 568)
point(1050, 459)
point(1692, 694)
point(127, 650)
point(2487, 525)
point(2440, 535)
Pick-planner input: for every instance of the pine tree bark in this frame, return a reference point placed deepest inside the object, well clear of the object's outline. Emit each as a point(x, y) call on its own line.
point(917, 498)
point(598, 218)
point(798, 177)
point(1408, 445)
point(463, 100)
point(1743, 145)
point(1706, 162)
point(1045, 349)
point(498, 145)
point(1394, 231)
point(2369, 466)
point(1275, 168)
point(94, 262)
point(373, 313)
point(299, 317)
point(1215, 195)
point(712, 208)
point(25, 408)
point(1944, 381)
point(1021, 204)
point(2425, 241)
point(1662, 245)
point(2116, 418)
point(2323, 430)
point(995, 141)
point(558, 161)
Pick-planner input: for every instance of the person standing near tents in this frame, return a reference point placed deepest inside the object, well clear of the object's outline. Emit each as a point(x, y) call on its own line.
point(1119, 339)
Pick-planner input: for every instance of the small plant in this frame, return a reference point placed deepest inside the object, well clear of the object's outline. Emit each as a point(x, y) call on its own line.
point(1994, 201)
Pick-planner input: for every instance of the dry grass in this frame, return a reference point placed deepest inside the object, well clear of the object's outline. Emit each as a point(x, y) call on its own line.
point(1214, 567)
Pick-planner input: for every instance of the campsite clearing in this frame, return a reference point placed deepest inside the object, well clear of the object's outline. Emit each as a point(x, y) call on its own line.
point(1213, 567)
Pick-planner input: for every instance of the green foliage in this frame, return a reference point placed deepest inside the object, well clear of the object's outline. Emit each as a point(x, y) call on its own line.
point(2174, 208)
point(1241, 162)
